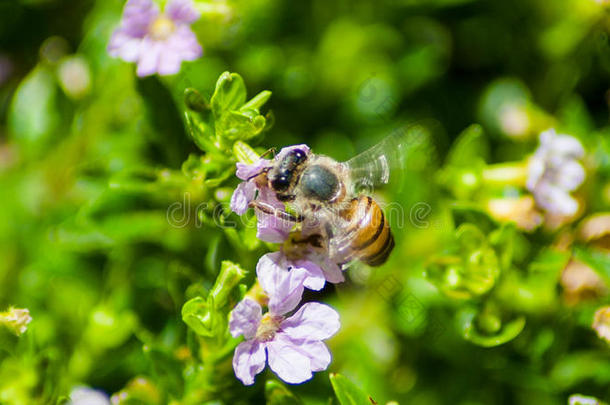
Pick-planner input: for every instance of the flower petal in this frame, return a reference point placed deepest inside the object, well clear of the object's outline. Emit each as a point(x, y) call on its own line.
point(150, 52)
point(332, 271)
point(555, 200)
point(571, 175)
point(284, 151)
point(567, 146)
point(284, 288)
point(243, 194)
point(124, 46)
point(246, 171)
point(272, 228)
point(182, 11)
point(183, 43)
point(249, 360)
point(318, 353)
point(137, 17)
point(535, 171)
point(313, 321)
point(288, 361)
point(169, 63)
point(315, 276)
point(245, 318)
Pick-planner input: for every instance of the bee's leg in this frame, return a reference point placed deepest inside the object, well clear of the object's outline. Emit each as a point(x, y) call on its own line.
point(276, 212)
point(265, 171)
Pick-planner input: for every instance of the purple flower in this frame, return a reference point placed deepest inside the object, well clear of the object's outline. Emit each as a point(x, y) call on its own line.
point(270, 227)
point(284, 151)
point(318, 268)
point(554, 171)
point(158, 42)
point(292, 345)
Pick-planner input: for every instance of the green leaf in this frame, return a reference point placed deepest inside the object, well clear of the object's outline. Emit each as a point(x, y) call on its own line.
point(32, 116)
point(503, 240)
point(597, 260)
point(468, 320)
point(139, 391)
point(109, 328)
point(257, 101)
point(578, 366)
point(465, 212)
point(470, 237)
point(167, 368)
point(347, 392)
point(230, 276)
point(198, 314)
point(236, 125)
point(277, 393)
point(194, 100)
point(200, 131)
point(244, 153)
point(470, 146)
point(230, 93)
point(550, 262)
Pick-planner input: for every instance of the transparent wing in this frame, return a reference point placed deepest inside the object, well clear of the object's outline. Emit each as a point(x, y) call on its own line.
point(386, 161)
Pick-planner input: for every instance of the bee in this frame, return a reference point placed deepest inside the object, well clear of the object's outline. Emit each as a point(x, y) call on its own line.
point(332, 200)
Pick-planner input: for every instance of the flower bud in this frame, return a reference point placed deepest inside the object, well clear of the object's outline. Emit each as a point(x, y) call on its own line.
point(16, 320)
point(230, 275)
point(601, 323)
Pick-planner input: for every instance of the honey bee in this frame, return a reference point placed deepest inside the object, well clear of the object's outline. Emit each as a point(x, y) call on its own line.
point(332, 199)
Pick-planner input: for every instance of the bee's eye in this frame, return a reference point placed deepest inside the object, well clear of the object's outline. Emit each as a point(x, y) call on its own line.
point(299, 155)
point(280, 183)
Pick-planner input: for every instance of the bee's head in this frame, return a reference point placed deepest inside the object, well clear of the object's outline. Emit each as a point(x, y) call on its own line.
point(282, 174)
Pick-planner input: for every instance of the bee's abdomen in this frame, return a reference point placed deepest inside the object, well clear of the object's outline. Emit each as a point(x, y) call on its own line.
point(372, 240)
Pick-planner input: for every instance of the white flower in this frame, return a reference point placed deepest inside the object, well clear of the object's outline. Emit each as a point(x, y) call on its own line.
point(88, 396)
point(554, 171)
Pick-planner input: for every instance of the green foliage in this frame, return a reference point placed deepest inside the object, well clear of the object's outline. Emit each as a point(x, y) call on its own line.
point(116, 232)
point(278, 394)
point(347, 392)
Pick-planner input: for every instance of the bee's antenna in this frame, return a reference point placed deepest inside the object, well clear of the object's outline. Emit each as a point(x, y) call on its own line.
point(270, 150)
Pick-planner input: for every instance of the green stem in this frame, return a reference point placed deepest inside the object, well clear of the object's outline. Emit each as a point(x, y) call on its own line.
point(504, 174)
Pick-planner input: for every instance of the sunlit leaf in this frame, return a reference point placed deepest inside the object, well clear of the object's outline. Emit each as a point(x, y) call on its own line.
point(278, 394)
point(507, 332)
point(230, 93)
point(347, 392)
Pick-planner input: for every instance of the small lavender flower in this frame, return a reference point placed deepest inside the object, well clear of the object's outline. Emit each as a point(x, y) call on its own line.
point(578, 399)
point(292, 345)
point(158, 42)
point(554, 171)
point(318, 268)
point(88, 396)
point(601, 323)
point(16, 320)
point(270, 228)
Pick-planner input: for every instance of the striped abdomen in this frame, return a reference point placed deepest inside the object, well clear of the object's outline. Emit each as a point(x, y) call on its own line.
point(370, 237)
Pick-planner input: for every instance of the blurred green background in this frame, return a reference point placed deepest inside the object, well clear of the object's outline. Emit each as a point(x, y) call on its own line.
point(92, 158)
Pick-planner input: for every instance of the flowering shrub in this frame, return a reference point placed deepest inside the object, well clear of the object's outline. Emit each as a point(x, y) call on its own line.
point(146, 260)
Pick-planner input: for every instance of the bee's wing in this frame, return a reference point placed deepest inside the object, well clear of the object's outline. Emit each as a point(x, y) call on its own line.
point(385, 161)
